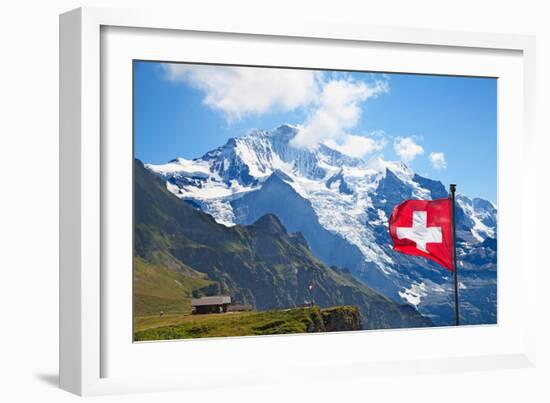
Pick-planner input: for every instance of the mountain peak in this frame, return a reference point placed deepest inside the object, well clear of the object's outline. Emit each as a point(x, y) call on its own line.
point(270, 224)
point(278, 176)
point(399, 168)
point(284, 132)
point(286, 127)
point(376, 163)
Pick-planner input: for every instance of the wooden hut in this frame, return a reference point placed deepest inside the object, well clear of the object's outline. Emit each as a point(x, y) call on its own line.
point(215, 304)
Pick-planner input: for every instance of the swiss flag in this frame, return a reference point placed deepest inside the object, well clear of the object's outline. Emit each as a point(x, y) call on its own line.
point(423, 228)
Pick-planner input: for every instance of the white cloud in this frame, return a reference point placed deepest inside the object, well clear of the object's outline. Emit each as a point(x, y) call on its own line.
point(337, 111)
point(333, 102)
point(438, 160)
point(356, 146)
point(406, 148)
point(242, 91)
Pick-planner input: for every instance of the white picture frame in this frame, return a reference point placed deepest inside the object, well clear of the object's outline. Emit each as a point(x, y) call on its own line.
point(86, 304)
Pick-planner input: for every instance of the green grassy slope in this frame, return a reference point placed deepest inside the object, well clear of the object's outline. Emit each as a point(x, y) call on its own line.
point(297, 320)
point(157, 288)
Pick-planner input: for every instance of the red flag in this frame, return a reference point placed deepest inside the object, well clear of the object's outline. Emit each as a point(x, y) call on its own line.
point(423, 228)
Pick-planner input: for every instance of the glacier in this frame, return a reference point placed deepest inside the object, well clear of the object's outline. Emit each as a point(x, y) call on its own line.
point(341, 205)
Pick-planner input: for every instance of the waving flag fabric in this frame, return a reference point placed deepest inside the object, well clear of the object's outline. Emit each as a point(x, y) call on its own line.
point(424, 228)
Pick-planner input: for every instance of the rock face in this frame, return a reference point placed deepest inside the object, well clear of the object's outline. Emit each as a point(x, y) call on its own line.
point(342, 318)
point(260, 265)
point(341, 207)
point(334, 319)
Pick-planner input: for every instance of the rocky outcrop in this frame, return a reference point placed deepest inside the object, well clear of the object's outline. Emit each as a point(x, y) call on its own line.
point(341, 318)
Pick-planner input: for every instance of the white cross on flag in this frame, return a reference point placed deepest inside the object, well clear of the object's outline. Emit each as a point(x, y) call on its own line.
point(423, 228)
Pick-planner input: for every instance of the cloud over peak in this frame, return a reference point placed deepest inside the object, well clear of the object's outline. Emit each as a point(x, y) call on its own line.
point(336, 112)
point(238, 92)
point(332, 102)
point(406, 148)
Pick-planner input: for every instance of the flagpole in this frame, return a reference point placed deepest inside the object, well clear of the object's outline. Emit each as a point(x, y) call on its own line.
point(455, 266)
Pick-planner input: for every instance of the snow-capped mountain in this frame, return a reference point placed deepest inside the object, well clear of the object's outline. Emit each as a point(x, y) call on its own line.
point(341, 205)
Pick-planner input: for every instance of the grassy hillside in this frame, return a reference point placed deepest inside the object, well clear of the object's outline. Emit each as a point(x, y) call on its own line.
point(297, 320)
point(260, 264)
point(157, 288)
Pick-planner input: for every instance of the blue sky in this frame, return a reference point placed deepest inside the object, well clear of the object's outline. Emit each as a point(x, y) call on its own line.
point(442, 127)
